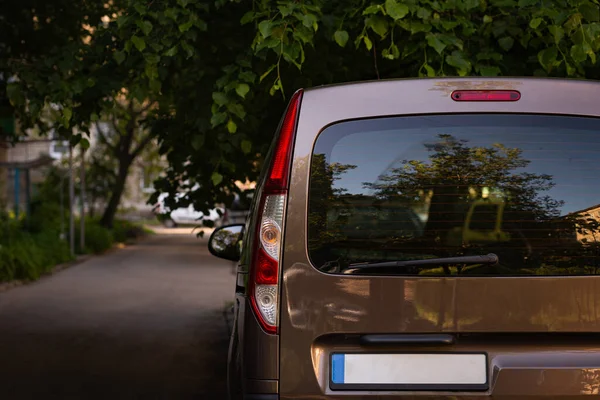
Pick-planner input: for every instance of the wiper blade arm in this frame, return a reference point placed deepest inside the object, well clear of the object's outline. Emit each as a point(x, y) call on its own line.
point(480, 259)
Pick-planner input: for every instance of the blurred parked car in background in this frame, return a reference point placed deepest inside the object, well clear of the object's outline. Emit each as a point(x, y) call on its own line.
point(239, 209)
point(184, 215)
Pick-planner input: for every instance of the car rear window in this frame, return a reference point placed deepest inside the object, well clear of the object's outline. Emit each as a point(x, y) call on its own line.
point(523, 187)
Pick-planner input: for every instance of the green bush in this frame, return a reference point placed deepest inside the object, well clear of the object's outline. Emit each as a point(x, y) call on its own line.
point(27, 256)
point(45, 217)
point(98, 239)
point(125, 231)
point(55, 250)
point(32, 247)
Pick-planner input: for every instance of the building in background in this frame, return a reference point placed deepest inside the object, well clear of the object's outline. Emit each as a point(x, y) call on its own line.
point(25, 164)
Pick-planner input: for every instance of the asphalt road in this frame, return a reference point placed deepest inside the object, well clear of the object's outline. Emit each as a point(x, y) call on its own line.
point(145, 322)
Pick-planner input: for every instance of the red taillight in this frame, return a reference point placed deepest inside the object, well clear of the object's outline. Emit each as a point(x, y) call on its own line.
point(486, 95)
point(267, 249)
point(267, 270)
point(280, 166)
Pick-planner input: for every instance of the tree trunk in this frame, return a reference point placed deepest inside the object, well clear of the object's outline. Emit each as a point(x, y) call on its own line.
point(108, 216)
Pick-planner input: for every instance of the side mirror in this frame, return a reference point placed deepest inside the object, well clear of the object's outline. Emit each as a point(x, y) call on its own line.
point(225, 242)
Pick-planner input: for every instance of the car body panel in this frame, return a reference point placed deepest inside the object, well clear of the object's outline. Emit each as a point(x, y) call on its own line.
point(320, 313)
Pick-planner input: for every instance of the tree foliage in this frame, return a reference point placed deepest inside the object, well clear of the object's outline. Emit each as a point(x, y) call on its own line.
point(455, 169)
point(323, 177)
point(220, 70)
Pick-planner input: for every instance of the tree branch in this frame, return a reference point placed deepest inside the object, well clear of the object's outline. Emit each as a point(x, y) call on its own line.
point(145, 108)
point(142, 145)
point(115, 125)
point(103, 139)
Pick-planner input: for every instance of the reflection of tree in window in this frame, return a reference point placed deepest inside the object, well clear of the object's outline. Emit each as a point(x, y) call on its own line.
point(484, 217)
point(455, 170)
point(323, 199)
point(463, 199)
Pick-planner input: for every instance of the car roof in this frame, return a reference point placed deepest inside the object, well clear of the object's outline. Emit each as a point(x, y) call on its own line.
point(325, 105)
point(427, 95)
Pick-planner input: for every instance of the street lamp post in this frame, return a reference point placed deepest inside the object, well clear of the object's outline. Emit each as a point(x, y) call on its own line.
point(82, 201)
point(71, 201)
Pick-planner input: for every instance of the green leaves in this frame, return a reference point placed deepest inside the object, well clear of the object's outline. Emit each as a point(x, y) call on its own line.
point(119, 56)
point(189, 50)
point(527, 3)
point(145, 26)
point(341, 38)
point(247, 76)
point(231, 126)
point(216, 178)
point(557, 33)
point(489, 71)
point(534, 23)
point(202, 76)
point(391, 53)
point(506, 43)
point(217, 119)
point(590, 11)
point(378, 24)
point(186, 26)
point(434, 42)
point(171, 52)
point(469, 4)
point(122, 20)
point(368, 43)
point(84, 143)
point(246, 146)
point(429, 70)
point(396, 10)
point(265, 27)
point(220, 98)
point(242, 89)
point(267, 72)
point(310, 21)
point(248, 17)
point(67, 113)
point(15, 95)
point(547, 58)
point(372, 9)
point(578, 53)
point(198, 142)
point(138, 42)
point(457, 60)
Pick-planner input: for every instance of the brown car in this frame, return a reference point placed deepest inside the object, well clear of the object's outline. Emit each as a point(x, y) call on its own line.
point(423, 239)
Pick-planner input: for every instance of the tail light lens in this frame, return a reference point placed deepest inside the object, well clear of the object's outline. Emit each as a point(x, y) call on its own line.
point(265, 268)
point(271, 222)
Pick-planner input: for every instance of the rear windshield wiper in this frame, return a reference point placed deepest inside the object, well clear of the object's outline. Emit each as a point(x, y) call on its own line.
point(482, 259)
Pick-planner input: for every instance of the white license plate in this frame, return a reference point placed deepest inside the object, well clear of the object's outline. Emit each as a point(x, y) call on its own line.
point(409, 371)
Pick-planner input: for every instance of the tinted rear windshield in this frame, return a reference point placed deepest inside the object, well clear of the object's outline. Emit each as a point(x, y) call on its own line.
point(523, 187)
